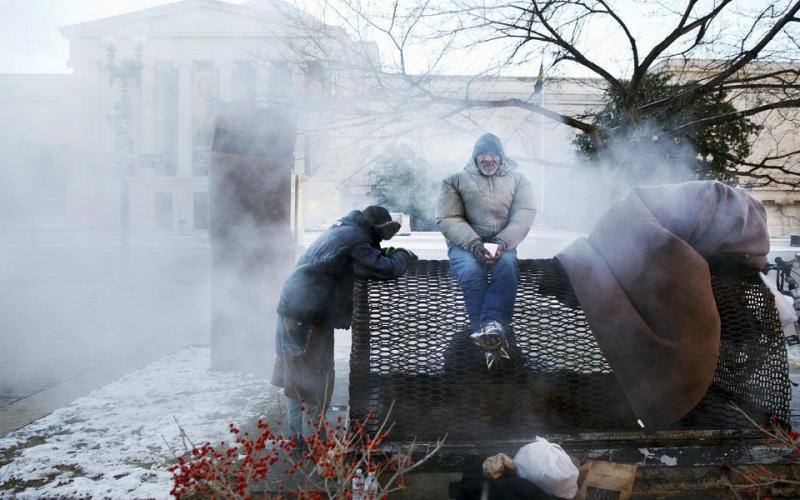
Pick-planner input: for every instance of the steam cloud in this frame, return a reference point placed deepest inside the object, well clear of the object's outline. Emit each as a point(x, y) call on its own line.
point(70, 304)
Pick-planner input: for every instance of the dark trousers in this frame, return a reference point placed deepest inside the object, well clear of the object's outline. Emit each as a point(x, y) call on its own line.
point(304, 368)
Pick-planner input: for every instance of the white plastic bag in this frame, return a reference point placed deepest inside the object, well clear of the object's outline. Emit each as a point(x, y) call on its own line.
point(548, 466)
point(785, 306)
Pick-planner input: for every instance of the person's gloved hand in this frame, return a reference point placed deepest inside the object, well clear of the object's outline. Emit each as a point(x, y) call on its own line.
point(479, 252)
point(410, 254)
point(498, 465)
point(389, 251)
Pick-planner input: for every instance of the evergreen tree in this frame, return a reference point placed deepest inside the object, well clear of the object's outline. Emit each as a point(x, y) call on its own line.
point(401, 182)
point(711, 152)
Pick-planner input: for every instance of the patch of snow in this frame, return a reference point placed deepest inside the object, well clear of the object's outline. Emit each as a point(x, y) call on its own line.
point(116, 441)
point(669, 461)
point(793, 356)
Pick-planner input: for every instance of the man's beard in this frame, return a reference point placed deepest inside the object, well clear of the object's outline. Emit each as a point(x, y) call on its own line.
point(488, 167)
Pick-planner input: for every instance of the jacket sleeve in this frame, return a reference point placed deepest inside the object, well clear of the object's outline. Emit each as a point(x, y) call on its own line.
point(450, 217)
point(520, 216)
point(369, 262)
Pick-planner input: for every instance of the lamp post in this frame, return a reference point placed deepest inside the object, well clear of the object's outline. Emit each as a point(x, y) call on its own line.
point(128, 73)
point(538, 86)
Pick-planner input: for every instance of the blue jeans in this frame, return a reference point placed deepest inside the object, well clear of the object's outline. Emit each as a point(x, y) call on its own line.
point(486, 300)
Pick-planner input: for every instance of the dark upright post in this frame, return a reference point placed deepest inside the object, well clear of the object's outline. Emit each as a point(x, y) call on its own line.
point(252, 249)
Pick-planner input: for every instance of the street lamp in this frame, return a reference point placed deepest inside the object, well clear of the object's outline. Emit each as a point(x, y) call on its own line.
point(128, 72)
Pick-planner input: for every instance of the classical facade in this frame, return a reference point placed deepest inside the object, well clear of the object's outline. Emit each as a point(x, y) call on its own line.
point(128, 135)
point(149, 84)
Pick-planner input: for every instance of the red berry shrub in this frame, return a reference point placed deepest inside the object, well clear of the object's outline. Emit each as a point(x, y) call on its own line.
point(323, 465)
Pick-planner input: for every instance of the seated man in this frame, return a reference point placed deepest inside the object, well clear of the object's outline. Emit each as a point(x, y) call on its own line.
point(487, 202)
point(318, 297)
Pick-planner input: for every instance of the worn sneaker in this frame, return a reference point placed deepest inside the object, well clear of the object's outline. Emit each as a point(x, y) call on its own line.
point(490, 336)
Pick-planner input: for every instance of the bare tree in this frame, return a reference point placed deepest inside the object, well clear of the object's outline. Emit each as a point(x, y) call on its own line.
point(746, 51)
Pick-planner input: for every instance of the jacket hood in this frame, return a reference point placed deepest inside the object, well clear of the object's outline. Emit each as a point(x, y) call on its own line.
point(358, 219)
point(490, 143)
point(355, 218)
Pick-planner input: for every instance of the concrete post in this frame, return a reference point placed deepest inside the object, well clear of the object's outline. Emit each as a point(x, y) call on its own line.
point(252, 249)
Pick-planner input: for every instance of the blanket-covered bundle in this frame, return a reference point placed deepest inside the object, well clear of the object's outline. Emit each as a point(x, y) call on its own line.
point(643, 280)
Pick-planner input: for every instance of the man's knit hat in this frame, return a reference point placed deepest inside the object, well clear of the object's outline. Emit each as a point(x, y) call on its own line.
point(381, 220)
point(489, 143)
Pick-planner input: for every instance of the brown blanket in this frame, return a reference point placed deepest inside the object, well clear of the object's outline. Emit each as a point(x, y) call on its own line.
point(645, 286)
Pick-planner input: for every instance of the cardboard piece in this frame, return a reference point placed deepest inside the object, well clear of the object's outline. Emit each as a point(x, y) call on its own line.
point(601, 480)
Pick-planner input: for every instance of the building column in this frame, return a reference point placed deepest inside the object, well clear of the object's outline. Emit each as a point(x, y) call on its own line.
point(147, 103)
point(185, 118)
point(225, 72)
point(88, 73)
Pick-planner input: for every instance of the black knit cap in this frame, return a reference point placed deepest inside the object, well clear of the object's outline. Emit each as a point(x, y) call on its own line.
point(489, 143)
point(381, 220)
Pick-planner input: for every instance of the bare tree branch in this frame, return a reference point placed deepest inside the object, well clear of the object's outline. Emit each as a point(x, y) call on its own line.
point(736, 65)
point(680, 30)
point(716, 120)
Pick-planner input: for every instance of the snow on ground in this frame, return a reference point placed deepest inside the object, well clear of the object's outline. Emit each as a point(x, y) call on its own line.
point(116, 442)
point(793, 356)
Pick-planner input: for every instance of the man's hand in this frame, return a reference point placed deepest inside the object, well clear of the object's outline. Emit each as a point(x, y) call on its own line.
point(501, 247)
point(479, 252)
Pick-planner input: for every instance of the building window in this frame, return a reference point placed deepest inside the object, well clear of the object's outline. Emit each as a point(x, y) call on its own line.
point(280, 81)
point(201, 211)
point(244, 82)
point(163, 210)
point(318, 81)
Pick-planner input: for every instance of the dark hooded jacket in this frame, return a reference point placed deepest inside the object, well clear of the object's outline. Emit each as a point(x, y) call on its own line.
point(320, 289)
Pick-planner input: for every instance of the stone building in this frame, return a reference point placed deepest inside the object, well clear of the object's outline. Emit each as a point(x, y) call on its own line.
point(776, 138)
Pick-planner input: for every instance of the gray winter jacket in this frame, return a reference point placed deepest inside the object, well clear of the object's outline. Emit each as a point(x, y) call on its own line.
point(473, 206)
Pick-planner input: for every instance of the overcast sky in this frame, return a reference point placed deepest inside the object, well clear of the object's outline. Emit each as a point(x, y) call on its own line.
point(30, 36)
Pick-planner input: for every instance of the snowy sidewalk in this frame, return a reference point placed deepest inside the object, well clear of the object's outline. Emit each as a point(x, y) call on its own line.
point(116, 441)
